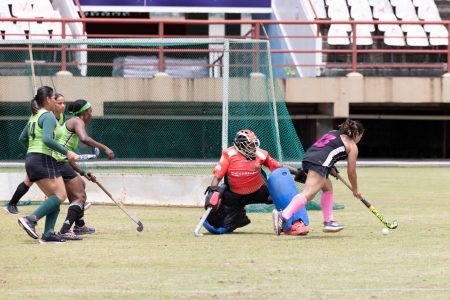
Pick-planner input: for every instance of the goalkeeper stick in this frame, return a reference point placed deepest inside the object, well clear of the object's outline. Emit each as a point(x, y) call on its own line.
point(197, 232)
point(123, 208)
point(389, 225)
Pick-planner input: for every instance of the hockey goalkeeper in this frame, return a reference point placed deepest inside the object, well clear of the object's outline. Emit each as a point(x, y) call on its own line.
point(244, 183)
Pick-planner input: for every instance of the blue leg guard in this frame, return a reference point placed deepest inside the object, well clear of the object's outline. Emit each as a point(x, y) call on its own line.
point(214, 230)
point(282, 189)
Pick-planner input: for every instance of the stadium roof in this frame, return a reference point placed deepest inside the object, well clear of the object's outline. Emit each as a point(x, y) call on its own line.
point(179, 6)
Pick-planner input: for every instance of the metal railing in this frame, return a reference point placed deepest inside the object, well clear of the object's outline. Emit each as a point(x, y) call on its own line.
point(352, 54)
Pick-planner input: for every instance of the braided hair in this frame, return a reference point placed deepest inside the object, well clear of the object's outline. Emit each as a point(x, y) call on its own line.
point(351, 128)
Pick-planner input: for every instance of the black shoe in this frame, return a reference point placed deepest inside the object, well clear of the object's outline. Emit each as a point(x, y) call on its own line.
point(12, 209)
point(28, 227)
point(83, 230)
point(54, 238)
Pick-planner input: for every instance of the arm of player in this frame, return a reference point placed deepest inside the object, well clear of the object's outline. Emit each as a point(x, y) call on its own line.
point(214, 194)
point(23, 138)
point(80, 130)
point(48, 123)
point(351, 170)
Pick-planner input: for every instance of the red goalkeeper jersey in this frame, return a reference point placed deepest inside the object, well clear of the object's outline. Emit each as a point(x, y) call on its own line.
point(244, 176)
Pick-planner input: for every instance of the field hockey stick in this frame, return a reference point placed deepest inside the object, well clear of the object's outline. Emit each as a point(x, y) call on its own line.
point(389, 225)
point(197, 232)
point(89, 156)
point(122, 207)
point(86, 156)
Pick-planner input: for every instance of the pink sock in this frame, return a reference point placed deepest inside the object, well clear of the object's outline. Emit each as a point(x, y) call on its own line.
point(297, 202)
point(326, 201)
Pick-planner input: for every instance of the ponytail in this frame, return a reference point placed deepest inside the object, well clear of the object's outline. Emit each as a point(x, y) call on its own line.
point(34, 107)
point(351, 128)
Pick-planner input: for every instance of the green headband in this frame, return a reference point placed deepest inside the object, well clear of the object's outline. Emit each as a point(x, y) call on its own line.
point(84, 108)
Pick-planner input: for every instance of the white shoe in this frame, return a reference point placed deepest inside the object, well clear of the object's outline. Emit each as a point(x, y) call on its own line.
point(332, 227)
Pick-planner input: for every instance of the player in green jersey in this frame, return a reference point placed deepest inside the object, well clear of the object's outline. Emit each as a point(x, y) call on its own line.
point(24, 186)
point(73, 132)
point(39, 137)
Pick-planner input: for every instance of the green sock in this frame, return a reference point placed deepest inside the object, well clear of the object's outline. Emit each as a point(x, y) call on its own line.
point(50, 222)
point(45, 208)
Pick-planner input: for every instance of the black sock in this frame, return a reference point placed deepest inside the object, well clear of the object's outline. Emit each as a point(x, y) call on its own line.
point(72, 214)
point(80, 220)
point(21, 190)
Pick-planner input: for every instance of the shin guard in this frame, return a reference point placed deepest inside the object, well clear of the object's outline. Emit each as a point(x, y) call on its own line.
point(282, 189)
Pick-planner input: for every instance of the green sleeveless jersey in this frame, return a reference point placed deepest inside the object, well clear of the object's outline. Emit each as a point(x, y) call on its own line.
point(35, 142)
point(68, 140)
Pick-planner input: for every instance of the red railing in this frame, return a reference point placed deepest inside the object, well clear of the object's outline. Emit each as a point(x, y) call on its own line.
point(352, 50)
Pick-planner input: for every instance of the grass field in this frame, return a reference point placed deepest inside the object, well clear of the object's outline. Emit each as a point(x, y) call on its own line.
point(167, 261)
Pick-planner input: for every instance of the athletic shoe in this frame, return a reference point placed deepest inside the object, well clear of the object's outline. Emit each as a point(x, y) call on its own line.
point(298, 228)
point(70, 236)
point(28, 227)
point(52, 239)
point(278, 221)
point(12, 209)
point(332, 226)
point(83, 230)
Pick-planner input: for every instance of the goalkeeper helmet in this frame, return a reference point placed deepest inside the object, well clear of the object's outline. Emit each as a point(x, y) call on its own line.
point(246, 143)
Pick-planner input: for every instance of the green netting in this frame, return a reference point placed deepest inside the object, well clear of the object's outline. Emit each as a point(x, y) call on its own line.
point(166, 119)
point(145, 113)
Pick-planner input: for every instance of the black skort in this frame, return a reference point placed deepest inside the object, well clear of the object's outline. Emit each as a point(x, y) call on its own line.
point(40, 166)
point(324, 171)
point(66, 170)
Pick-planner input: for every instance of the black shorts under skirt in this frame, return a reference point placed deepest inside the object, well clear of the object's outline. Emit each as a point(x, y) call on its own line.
point(40, 166)
point(324, 171)
point(66, 170)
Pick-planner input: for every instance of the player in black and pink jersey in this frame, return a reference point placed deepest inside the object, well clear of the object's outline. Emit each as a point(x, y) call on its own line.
point(318, 162)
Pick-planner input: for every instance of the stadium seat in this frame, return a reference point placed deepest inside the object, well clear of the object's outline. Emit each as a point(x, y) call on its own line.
point(363, 36)
point(338, 11)
point(21, 9)
point(428, 11)
point(387, 16)
point(404, 9)
point(338, 35)
point(393, 36)
point(38, 31)
point(361, 11)
point(14, 31)
point(416, 36)
point(381, 7)
point(43, 9)
point(438, 35)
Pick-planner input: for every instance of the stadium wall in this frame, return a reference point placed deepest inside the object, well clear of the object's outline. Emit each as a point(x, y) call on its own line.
point(137, 189)
point(339, 91)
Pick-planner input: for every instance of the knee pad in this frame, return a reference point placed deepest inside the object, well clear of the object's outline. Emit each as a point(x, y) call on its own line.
point(282, 189)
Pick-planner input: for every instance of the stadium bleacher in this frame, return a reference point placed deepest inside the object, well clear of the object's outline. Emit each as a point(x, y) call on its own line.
point(382, 36)
point(383, 10)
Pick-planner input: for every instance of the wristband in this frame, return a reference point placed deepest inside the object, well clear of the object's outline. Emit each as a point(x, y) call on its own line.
point(82, 173)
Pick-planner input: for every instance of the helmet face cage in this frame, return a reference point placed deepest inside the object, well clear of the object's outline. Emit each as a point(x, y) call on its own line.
point(246, 143)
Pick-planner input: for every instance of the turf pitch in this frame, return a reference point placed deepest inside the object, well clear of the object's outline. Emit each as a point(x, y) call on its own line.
point(167, 261)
